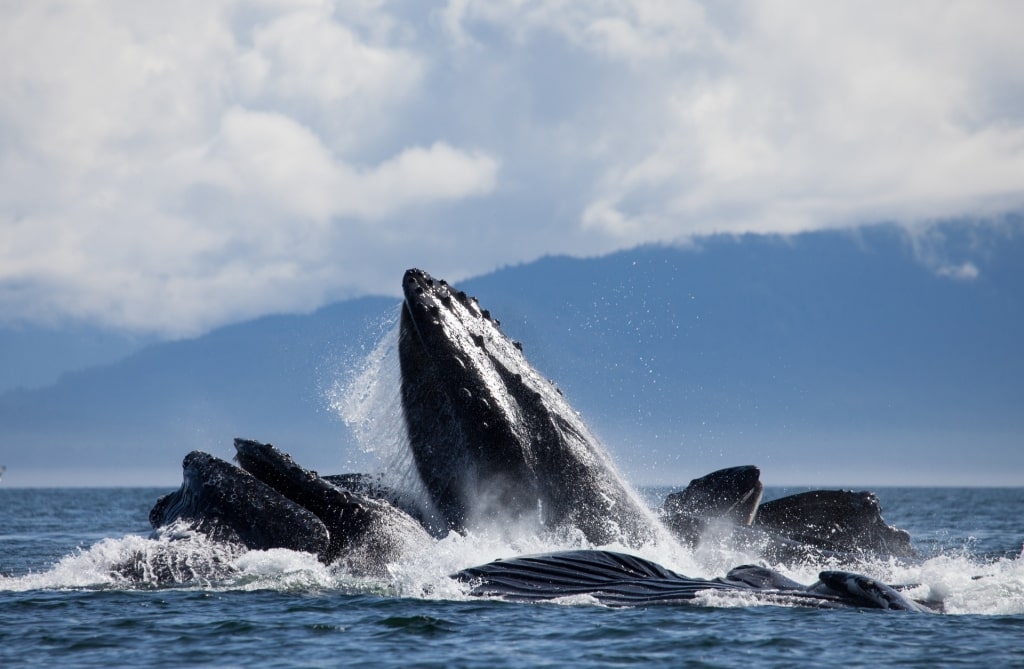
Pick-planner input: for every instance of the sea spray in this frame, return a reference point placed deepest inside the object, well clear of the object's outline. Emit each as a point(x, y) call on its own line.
point(963, 583)
point(368, 399)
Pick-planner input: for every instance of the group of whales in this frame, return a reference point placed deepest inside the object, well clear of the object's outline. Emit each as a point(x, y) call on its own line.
point(495, 443)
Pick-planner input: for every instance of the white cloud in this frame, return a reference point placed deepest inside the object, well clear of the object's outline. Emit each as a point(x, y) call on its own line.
point(268, 163)
point(307, 64)
point(177, 169)
point(966, 271)
point(800, 119)
point(172, 166)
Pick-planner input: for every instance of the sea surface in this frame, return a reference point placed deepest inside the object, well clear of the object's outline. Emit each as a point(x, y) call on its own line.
point(62, 603)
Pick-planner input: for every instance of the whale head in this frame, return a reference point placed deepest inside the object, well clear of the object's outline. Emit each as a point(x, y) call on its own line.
point(492, 439)
point(463, 397)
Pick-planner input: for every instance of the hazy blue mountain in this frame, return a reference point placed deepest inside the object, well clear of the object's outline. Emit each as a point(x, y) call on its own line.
point(33, 356)
point(264, 377)
point(841, 358)
point(824, 358)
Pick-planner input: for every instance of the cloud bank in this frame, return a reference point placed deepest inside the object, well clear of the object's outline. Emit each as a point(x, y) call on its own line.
point(169, 167)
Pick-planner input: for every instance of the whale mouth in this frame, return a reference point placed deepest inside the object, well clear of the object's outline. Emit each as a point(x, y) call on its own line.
point(462, 420)
point(495, 443)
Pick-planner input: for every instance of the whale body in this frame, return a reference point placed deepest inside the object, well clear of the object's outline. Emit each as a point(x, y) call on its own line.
point(618, 579)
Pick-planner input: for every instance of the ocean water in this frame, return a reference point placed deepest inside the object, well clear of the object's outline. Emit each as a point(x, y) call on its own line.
point(61, 604)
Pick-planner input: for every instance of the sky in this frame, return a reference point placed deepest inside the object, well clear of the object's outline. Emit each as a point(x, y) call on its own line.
point(166, 168)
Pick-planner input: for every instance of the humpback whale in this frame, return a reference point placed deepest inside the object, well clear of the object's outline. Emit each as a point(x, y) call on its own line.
point(230, 505)
point(272, 502)
point(617, 579)
point(495, 444)
point(364, 533)
point(728, 495)
point(493, 440)
point(837, 524)
point(835, 520)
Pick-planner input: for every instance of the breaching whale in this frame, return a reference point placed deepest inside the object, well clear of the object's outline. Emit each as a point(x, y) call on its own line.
point(492, 439)
point(231, 505)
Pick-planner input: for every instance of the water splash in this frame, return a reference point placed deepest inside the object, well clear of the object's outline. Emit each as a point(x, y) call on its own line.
point(962, 583)
point(368, 400)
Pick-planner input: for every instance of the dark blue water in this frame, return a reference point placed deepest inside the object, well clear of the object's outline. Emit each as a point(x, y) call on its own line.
point(60, 606)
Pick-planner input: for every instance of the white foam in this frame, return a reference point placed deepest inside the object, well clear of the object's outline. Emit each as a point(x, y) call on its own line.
point(962, 584)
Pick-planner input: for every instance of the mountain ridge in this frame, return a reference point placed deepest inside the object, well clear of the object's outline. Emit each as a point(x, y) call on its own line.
point(783, 352)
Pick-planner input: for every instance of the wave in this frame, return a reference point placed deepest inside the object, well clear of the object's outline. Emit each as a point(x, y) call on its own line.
point(963, 583)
